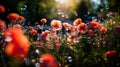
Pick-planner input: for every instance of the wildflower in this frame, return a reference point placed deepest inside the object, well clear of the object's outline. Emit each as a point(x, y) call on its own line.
point(110, 54)
point(94, 24)
point(46, 31)
point(38, 26)
point(13, 17)
point(77, 22)
point(18, 26)
point(91, 33)
point(2, 25)
point(21, 19)
point(33, 31)
point(103, 30)
point(48, 60)
point(56, 24)
point(72, 38)
point(44, 20)
point(58, 44)
point(44, 34)
point(66, 25)
point(47, 40)
point(55, 38)
point(82, 28)
point(72, 28)
point(18, 46)
point(53, 31)
point(2, 9)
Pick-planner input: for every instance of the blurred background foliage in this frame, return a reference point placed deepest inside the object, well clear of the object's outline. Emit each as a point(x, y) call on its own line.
point(34, 10)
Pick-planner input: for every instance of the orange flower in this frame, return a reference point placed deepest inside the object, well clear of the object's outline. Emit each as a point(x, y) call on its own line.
point(82, 28)
point(53, 31)
point(33, 31)
point(48, 60)
point(18, 46)
point(91, 33)
point(56, 24)
point(13, 17)
point(47, 40)
point(44, 20)
point(66, 25)
point(77, 22)
point(16, 51)
point(72, 28)
point(47, 31)
point(38, 26)
point(94, 24)
point(21, 19)
point(2, 9)
point(58, 44)
point(18, 26)
point(2, 25)
point(103, 30)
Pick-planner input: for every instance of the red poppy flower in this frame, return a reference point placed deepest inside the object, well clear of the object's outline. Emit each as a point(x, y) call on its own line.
point(56, 24)
point(48, 60)
point(16, 51)
point(2, 25)
point(2, 9)
point(53, 31)
point(66, 25)
point(44, 34)
point(33, 32)
point(94, 24)
point(91, 33)
point(77, 22)
point(21, 19)
point(111, 53)
point(72, 28)
point(13, 17)
point(82, 28)
point(18, 46)
point(38, 26)
point(44, 20)
point(103, 30)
